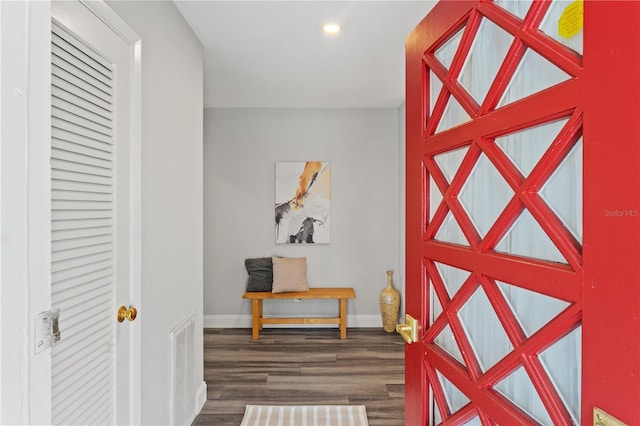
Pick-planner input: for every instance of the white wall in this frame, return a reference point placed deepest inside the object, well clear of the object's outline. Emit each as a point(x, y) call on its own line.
point(241, 148)
point(172, 222)
point(24, 193)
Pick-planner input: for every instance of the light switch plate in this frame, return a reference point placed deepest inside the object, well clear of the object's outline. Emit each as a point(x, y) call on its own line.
point(47, 332)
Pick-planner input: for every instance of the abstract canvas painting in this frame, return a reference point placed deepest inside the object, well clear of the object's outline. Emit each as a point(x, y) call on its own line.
point(303, 202)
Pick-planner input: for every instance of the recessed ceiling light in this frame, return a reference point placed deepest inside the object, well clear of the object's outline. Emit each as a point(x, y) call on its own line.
point(331, 28)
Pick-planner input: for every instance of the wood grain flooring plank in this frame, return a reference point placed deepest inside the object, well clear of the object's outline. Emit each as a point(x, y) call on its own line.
point(303, 366)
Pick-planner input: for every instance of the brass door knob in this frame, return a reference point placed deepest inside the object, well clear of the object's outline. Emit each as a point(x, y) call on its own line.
point(124, 313)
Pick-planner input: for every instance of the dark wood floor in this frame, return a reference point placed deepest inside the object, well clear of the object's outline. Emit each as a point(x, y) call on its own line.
point(303, 367)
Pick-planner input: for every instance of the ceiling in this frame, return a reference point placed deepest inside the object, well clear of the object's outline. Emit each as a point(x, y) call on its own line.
point(273, 54)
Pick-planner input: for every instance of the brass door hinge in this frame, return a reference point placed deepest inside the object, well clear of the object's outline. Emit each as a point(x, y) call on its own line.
point(602, 418)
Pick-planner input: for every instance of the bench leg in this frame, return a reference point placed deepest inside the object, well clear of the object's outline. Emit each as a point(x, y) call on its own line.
point(261, 314)
point(343, 318)
point(256, 314)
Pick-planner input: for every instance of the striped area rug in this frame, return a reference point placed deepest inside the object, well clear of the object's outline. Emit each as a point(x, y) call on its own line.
point(305, 415)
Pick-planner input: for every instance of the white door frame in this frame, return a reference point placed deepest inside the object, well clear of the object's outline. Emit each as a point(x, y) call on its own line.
point(25, 214)
point(25, 205)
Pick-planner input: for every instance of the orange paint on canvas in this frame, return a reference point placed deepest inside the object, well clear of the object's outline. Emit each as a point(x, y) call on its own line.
point(311, 168)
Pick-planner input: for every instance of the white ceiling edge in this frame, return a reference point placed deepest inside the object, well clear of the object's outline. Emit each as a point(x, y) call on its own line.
point(273, 54)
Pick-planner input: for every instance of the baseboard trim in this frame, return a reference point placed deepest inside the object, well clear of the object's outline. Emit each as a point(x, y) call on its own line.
point(201, 397)
point(244, 321)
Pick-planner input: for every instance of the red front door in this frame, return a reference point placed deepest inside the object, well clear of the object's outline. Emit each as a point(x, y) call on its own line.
point(523, 224)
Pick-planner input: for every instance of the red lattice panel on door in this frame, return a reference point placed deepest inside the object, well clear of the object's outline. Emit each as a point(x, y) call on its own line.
point(466, 266)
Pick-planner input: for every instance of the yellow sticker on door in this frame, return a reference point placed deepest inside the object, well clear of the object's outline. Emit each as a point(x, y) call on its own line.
point(571, 20)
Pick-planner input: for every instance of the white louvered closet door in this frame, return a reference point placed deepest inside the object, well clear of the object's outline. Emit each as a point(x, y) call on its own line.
point(90, 211)
point(82, 235)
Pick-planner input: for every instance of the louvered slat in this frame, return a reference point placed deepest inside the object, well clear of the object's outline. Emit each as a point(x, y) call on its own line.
point(74, 357)
point(97, 400)
point(82, 258)
point(65, 82)
point(77, 128)
point(88, 124)
point(80, 242)
point(89, 337)
point(80, 186)
point(81, 195)
point(92, 58)
point(80, 223)
point(73, 157)
point(64, 277)
point(71, 254)
point(79, 396)
point(69, 161)
point(102, 417)
point(64, 285)
point(93, 286)
point(80, 205)
point(80, 111)
point(81, 214)
point(85, 145)
point(79, 81)
point(79, 177)
point(69, 234)
point(85, 301)
point(79, 364)
point(76, 84)
point(95, 322)
point(63, 57)
point(66, 96)
point(82, 366)
point(75, 243)
point(73, 263)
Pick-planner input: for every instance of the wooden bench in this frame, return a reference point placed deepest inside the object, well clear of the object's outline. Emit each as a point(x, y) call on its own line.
point(342, 294)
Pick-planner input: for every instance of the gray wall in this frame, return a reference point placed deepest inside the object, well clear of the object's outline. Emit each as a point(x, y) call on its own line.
point(172, 205)
point(241, 148)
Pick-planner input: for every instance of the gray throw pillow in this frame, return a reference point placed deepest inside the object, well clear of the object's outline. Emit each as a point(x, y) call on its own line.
point(260, 274)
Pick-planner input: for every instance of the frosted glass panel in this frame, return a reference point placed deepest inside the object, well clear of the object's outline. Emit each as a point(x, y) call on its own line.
point(473, 422)
point(453, 277)
point(446, 53)
point(435, 198)
point(449, 162)
point(550, 25)
point(455, 399)
point(525, 148)
point(563, 363)
point(533, 75)
point(563, 191)
point(517, 7)
point(485, 57)
point(436, 307)
point(435, 87)
point(533, 310)
point(488, 338)
point(437, 418)
point(485, 195)
point(453, 115)
point(447, 342)
point(527, 238)
point(518, 388)
point(450, 232)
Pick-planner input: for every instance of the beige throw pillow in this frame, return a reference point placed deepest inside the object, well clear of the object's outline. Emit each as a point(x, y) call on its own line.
point(289, 274)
